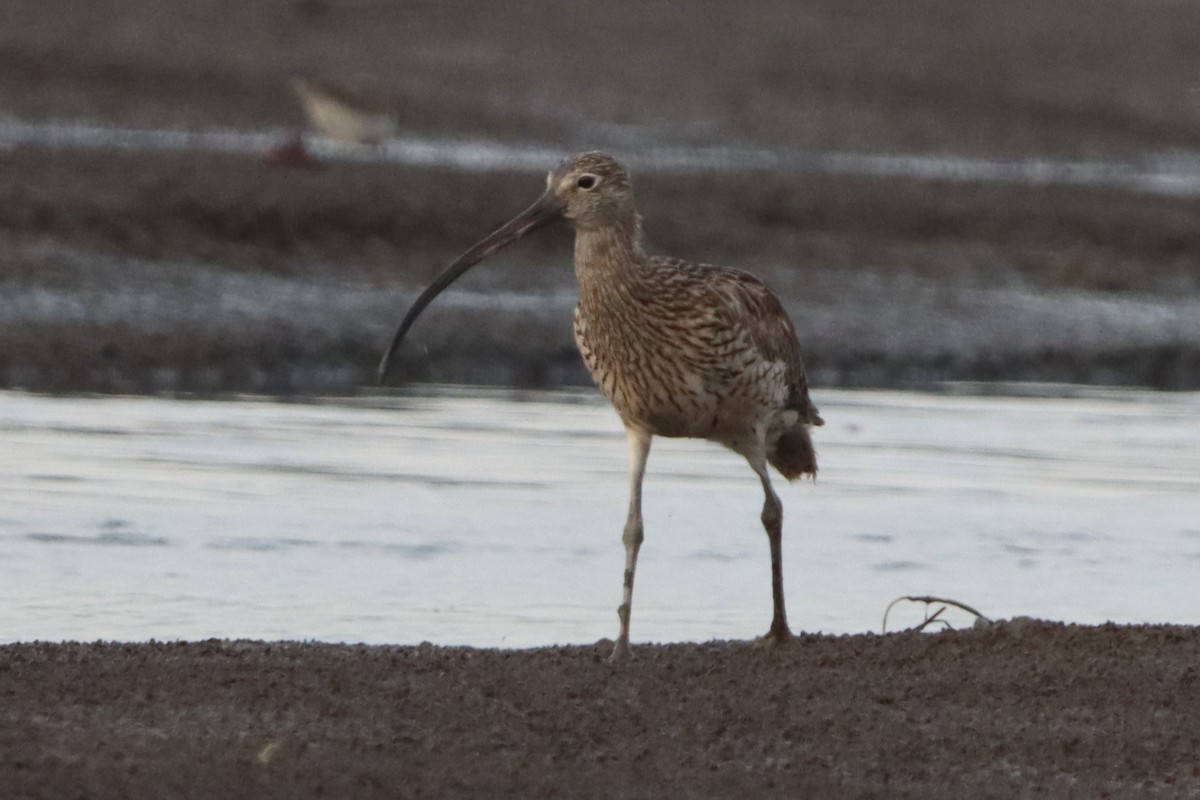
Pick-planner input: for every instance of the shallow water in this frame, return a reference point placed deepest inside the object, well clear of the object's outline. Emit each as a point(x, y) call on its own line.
point(493, 519)
point(1176, 174)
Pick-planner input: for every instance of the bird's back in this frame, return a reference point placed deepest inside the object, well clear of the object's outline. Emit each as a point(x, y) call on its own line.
point(685, 349)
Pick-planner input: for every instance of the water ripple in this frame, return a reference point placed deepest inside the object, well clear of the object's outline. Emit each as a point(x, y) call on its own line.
point(117, 539)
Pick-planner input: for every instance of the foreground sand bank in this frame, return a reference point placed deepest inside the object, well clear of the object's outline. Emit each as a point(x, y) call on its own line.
point(1020, 709)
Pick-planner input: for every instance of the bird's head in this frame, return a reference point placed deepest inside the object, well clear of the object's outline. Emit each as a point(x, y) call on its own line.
point(590, 190)
point(593, 190)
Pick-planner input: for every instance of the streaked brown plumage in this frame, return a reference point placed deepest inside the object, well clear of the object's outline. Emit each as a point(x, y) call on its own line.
point(680, 349)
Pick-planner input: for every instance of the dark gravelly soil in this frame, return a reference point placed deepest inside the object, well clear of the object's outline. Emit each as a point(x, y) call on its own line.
point(1019, 709)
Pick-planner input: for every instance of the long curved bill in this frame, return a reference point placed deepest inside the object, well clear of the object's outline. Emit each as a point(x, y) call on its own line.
point(545, 210)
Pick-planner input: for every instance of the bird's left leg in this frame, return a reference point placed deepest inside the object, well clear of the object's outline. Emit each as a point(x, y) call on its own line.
point(772, 520)
point(639, 451)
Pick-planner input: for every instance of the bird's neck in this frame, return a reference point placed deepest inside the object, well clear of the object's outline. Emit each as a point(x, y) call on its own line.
point(608, 255)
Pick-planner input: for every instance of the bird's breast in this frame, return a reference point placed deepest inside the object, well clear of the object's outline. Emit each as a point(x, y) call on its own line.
point(672, 376)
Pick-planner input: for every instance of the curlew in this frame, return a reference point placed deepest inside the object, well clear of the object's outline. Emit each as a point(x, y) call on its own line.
point(679, 349)
point(346, 112)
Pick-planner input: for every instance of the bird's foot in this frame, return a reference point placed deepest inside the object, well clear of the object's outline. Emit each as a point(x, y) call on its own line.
point(779, 635)
point(621, 653)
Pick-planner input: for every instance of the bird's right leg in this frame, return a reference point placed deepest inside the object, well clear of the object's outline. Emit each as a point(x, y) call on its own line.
point(639, 450)
point(772, 520)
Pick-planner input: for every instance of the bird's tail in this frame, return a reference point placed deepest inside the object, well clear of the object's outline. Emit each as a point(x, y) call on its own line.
point(792, 453)
point(789, 445)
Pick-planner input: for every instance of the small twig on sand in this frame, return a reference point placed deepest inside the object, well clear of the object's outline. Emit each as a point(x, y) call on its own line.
point(929, 620)
point(935, 616)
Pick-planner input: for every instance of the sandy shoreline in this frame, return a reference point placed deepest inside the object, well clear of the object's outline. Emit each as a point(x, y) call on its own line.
point(1023, 708)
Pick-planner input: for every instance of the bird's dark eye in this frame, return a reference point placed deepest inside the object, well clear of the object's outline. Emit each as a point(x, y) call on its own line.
point(586, 181)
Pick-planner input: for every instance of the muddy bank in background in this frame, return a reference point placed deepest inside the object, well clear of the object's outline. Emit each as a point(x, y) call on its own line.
point(1039, 79)
point(105, 323)
point(176, 272)
point(1020, 709)
point(201, 271)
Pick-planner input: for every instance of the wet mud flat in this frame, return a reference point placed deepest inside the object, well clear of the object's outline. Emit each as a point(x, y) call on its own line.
point(205, 273)
point(1021, 708)
point(1042, 79)
point(135, 271)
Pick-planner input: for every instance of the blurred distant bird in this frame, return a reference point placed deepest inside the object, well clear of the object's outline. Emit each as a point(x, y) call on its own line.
point(346, 112)
point(680, 349)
